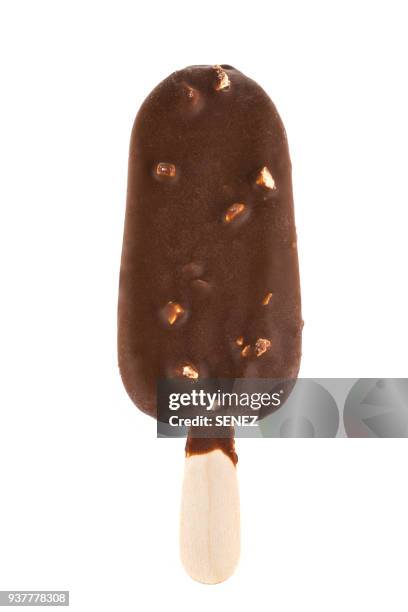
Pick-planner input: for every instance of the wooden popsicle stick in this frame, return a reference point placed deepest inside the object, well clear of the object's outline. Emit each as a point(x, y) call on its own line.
point(209, 526)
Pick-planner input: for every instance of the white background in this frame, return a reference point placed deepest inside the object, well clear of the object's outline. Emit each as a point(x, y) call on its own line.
point(89, 498)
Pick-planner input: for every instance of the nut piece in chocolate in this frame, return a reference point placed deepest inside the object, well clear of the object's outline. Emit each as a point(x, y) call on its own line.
point(261, 346)
point(246, 350)
point(265, 179)
point(191, 93)
point(189, 371)
point(172, 312)
point(166, 169)
point(222, 79)
point(234, 211)
point(267, 299)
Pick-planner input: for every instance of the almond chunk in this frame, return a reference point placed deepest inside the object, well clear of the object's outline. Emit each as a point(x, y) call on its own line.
point(234, 211)
point(222, 77)
point(191, 94)
point(173, 311)
point(267, 299)
point(246, 350)
point(166, 169)
point(189, 371)
point(261, 346)
point(265, 179)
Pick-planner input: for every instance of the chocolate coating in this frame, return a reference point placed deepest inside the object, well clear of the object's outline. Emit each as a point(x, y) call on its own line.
point(196, 445)
point(209, 227)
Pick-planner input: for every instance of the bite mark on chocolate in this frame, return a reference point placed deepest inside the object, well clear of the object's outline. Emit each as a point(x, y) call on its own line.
point(173, 311)
point(267, 299)
point(166, 169)
point(265, 179)
point(261, 346)
point(222, 79)
point(234, 211)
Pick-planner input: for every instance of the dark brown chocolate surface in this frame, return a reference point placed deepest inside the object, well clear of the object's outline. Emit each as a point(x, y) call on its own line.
point(209, 283)
point(197, 445)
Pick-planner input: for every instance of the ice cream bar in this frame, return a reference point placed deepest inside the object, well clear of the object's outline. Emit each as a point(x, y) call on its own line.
point(209, 284)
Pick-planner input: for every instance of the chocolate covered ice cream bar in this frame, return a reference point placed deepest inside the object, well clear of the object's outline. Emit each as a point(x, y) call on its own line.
point(209, 284)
